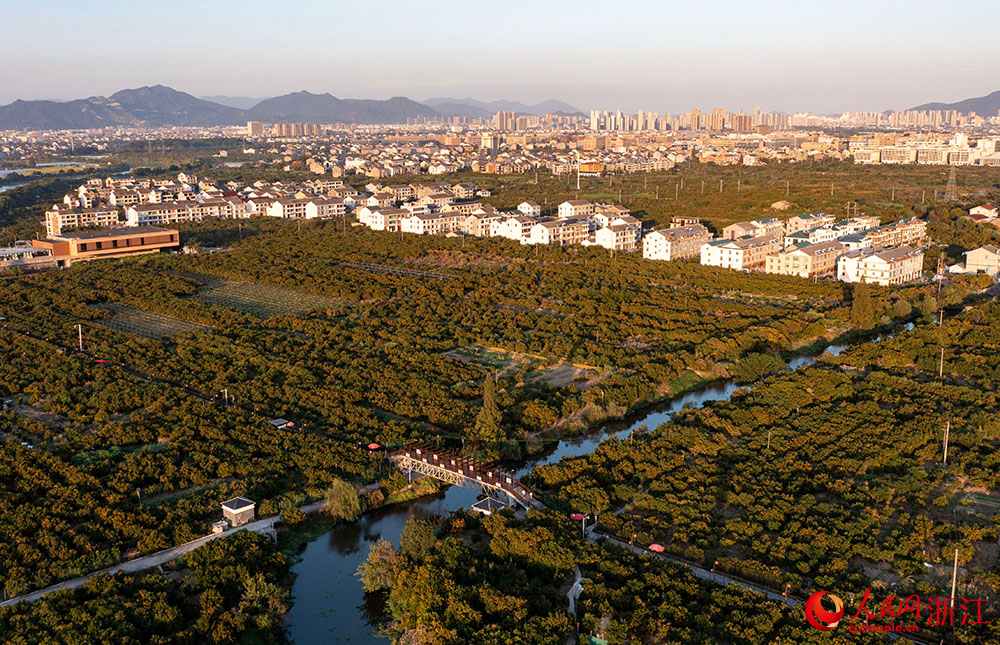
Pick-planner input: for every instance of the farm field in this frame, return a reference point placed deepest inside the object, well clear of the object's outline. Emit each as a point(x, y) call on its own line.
point(145, 323)
point(263, 301)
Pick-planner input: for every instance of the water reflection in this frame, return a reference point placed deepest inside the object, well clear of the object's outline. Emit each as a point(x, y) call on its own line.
point(329, 603)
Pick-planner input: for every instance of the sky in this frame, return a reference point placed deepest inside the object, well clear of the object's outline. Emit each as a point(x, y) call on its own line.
point(667, 56)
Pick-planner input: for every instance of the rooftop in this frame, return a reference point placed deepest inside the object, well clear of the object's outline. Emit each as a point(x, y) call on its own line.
point(110, 233)
point(238, 504)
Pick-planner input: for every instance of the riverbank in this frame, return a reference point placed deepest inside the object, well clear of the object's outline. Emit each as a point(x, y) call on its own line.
point(329, 601)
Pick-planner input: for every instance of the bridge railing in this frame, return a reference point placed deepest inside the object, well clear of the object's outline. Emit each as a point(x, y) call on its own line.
point(470, 468)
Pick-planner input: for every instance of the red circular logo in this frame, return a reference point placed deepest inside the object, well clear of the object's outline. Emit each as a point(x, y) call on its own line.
point(817, 615)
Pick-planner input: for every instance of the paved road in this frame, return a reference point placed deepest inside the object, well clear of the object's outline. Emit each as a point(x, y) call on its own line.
point(698, 572)
point(265, 526)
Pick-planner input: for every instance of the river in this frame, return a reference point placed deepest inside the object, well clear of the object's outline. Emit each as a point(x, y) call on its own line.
point(329, 604)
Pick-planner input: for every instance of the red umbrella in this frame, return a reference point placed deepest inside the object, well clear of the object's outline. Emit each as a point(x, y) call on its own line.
point(656, 547)
point(373, 446)
point(576, 517)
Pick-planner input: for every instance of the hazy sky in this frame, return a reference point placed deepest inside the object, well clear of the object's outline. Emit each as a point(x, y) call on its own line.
point(662, 56)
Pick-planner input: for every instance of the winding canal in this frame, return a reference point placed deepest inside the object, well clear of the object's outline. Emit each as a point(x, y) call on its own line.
point(329, 604)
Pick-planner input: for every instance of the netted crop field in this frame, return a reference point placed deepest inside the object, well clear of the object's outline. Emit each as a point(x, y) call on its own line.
point(264, 301)
point(144, 323)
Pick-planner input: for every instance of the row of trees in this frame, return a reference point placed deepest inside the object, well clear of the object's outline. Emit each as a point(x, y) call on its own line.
point(239, 583)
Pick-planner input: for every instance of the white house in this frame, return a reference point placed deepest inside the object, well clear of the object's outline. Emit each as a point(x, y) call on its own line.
point(514, 227)
point(575, 208)
point(530, 208)
point(989, 210)
point(617, 237)
point(745, 253)
point(675, 243)
point(881, 265)
point(985, 259)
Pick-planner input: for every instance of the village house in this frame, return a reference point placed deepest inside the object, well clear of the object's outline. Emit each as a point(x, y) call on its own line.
point(745, 253)
point(561, 232)
point(985, 259)
point(806, 261)
point(530, 208)
point(881, 266)
point(675, 243)
point(766, 227)
point(575, 209)
point(808, 221)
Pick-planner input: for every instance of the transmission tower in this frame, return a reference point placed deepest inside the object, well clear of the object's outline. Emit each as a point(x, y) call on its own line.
point(951, 193)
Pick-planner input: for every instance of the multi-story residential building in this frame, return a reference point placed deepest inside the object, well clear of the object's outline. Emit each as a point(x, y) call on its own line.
point(575, 209)
point(422, 224)
point(618, 236)
point(681, 222)
point(160, 214)
point(911, 231)
point(899, 154)
point(745, 253)
point(806, 261)
point(464, 191)
point(881, 265)
point(530, 208)
point(287, 208)
point(307, 208)
point(675, 243)
point(807, 221)
point(402, 192)
point(766, 227)
point(388, 219)
point(480, 223)
point(985, 259)
point(59, 219)
point(559, 231)
point(513, 227)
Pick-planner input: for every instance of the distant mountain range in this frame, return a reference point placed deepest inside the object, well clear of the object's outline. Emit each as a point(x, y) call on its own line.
point(239, 102)
point(306, 107)
point(472, 108)
point(145, 106)
point(159, 106)
point(982, 105)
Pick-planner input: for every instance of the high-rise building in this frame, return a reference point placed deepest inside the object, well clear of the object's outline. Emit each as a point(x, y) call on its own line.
point(255, 129)
point(694, 119)
point(595, 119)
point(505, 120)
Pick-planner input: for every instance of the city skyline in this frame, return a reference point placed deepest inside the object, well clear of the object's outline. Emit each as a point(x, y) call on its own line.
point(658, 61)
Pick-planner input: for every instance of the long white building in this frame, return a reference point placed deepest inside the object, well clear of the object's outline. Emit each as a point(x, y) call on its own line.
point(881, 265)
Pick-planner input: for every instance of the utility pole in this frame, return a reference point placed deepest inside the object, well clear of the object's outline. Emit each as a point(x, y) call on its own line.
point(79, 331)
point(720, 185)
point(954, 577)
point(941, 365)
point(769, 441)
point(677, 191)
point(225, 393)
point(947, 432)
point(702, 186)
point(786, 187)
